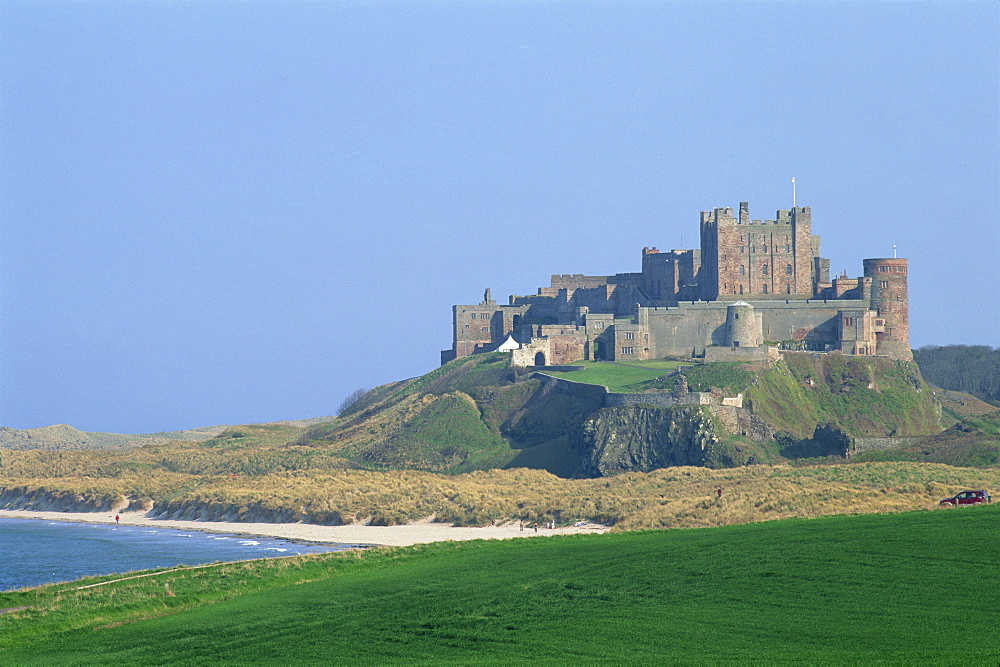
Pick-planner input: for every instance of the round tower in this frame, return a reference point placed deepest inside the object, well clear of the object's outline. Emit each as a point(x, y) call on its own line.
point(890, 300)
point(741, 325)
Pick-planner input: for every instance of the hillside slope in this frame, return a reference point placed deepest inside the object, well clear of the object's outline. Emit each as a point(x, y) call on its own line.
point(65, 437)
point(475, 413)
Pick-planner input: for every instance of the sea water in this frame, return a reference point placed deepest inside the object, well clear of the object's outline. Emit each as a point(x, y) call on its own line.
point(35, 551)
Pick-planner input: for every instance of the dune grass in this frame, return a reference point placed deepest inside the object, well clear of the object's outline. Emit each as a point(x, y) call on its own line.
point(910, 588)
point(665, 498)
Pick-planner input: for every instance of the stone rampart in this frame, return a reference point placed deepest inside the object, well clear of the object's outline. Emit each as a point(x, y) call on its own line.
point(881, 444)
point(659, 400)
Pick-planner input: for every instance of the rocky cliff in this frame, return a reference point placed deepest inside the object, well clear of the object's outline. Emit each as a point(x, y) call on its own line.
point(643, 438)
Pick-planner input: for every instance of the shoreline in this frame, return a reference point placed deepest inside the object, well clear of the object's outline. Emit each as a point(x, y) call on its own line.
point(419, 532)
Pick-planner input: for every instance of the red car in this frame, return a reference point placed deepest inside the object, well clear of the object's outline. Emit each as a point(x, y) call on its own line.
point(967, 498)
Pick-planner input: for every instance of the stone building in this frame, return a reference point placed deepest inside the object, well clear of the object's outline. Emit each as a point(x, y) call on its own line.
point(752, 288)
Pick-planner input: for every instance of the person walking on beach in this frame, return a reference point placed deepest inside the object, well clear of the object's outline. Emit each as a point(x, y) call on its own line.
point(116, 519)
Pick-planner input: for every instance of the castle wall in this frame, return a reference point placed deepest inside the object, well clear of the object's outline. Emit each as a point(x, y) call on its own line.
point(691, 327)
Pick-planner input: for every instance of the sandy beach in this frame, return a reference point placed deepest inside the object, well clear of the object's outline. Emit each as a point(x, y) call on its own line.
point(415, 533)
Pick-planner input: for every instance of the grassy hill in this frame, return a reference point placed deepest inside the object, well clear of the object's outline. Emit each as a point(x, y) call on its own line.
point(476, 413)
point(911, 588)
point(430, 435)
point(62, 437)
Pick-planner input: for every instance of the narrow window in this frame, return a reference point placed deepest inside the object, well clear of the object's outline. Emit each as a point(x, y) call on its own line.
point(883, 283)
point(788, 269)
point(741, 289)
point(629, 335)
point(764, 290)
point(763, 270)
point(788, 248)
point(484, 329)
point(743, 248)
point(788, 289)
point(742, 269)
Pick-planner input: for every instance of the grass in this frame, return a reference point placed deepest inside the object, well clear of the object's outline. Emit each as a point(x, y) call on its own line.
point(618, 377)
point(909, 588)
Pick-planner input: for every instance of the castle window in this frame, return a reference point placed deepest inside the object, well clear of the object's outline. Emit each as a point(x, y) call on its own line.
point(763, 270)
point(629, 335)
point(884, 269)
point(763, 248)
point(628, 350)
point(741, 289)
point(883, 283)
point(484, 329)
point(742, 269)
point(743, 248)
point(788, 248)
point(788, 289)
point(764, 290)
point(788, 269)
point(599, 324)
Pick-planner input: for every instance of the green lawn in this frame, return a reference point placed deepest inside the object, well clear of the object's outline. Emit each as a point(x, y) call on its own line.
point(618, 377)
point(913, 588)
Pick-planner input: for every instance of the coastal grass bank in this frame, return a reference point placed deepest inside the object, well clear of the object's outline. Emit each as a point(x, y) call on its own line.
point(911, 588)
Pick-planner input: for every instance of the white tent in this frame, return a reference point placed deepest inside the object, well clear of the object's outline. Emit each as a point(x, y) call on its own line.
point(509, 344)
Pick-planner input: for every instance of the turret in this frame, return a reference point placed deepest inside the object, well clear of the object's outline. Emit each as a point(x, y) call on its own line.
point(890, 299)
point(742, 329)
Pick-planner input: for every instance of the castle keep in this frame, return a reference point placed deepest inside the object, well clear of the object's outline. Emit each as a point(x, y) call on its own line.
point(754, 287)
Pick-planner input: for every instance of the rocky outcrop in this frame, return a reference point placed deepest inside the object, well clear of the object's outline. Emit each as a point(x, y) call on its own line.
point(644, 438)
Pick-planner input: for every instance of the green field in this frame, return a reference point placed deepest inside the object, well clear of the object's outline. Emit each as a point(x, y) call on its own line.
point(619, 377)
point(910, 588)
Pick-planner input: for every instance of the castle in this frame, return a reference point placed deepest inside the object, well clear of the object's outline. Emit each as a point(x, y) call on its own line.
point(753, 288)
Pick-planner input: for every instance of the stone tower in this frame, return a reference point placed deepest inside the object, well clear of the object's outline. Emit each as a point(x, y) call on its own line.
point(769, 259)
point(742, 328)
point(890, 299)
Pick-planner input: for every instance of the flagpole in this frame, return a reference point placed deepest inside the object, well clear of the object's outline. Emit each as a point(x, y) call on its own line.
point(793, 193)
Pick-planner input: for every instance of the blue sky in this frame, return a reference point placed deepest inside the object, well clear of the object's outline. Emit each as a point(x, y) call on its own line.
point(234, 212)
